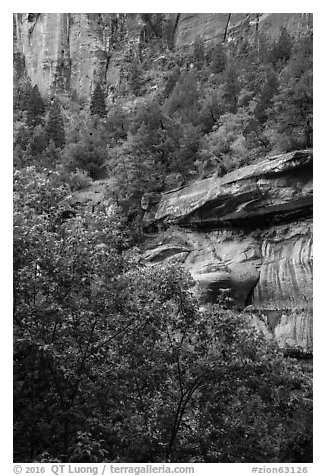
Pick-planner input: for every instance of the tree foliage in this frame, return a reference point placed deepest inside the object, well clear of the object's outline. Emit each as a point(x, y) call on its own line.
point(55, 129)
point(218, 59)
point(198, 53)
point(35, 107)
point(89, 153)
point(117, 360)
point(98, 105)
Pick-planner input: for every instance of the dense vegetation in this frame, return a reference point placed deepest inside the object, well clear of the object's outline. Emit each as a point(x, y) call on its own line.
point(115, 360)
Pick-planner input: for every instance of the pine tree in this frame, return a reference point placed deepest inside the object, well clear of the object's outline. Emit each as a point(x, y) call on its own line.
point(135, 77)
point(55, 127)
point(231, 88)
point(265, 99)
point(283, 47)
point(218, 59)
point(171, 81)
point(98, 106)
point(199, 53)
point(35, 107)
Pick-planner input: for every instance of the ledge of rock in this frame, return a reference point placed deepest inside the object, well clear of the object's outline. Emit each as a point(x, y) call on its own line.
point(277, 188)
point(249, 232)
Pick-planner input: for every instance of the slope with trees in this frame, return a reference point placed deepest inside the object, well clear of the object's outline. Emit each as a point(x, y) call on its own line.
point(115, 360)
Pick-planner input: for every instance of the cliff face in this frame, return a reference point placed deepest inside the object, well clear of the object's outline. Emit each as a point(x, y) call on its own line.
point(218, 27)
point(249, 232)
point(71, 51)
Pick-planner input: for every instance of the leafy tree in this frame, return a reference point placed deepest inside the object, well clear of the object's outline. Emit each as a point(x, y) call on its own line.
point(184, 98)
point(87, 146)
point(55, 323)
point(116, 361)
point(55, 129)
point(97, 105)
point(135, 171)
point(90, 154)
point(51, 156)
point(22, 94)
point(117, 124)
point(225, 147)
point(212, 107)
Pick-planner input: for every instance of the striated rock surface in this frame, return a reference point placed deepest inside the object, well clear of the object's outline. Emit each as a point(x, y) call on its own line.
point(249, 232)
point(71, 51)
point(286, 268)
point(219, 27)
point(274, 189)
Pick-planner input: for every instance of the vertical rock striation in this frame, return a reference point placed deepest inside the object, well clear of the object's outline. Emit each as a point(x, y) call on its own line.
point(286, 268)
point(71, 51)
point(250, 232)
point(220, 27)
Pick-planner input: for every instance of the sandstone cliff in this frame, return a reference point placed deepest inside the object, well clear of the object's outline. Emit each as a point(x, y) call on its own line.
point(218, 27)
point(249, 232)
point(72, 51)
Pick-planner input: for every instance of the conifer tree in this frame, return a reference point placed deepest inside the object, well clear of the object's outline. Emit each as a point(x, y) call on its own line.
point(199, 53)
point(265, 99)
point(218, 59)
point(282, 48)
point(231, 87)
point(35, 107)
point(98, 106)
point(135, 77)
point(171, 81)
point(55, 127)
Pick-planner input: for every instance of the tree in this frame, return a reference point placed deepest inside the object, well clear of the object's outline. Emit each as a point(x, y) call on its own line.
point(231, 87)
point(97, 105)
point(265, 98)
point(55, 129)
point(118, 361)
point(35, 107)
point(218, 59)
point(54, 270)
point(22, 94)
point(135, 74)
point(281, 51)
point(198, 55)
point(171, 81)
point(184, 98)
point(290, 117)
point(89, 153)
point(225, 147)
